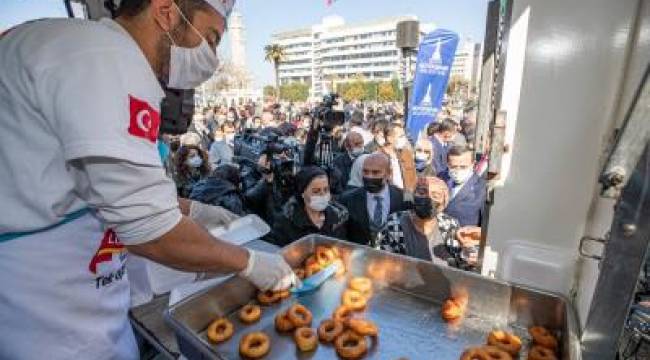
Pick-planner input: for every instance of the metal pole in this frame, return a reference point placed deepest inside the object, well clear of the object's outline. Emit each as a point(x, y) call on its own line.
point(405, 85)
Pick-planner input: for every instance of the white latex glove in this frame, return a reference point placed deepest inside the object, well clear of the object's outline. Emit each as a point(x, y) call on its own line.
point(269, 271)
point(210, 216)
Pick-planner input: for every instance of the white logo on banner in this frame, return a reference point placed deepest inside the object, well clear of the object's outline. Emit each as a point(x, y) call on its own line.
point(436, 57)
point(426, 100)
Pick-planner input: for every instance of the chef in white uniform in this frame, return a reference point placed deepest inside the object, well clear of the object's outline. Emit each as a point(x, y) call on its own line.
point(82, 184)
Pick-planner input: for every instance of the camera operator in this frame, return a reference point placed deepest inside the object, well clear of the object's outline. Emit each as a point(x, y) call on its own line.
point(266, 197)
point(321, 146)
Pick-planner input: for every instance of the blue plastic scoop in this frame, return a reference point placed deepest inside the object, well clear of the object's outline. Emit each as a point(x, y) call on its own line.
point(315, 281)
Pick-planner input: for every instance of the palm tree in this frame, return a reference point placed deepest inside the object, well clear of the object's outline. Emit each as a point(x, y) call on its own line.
point(275, 54)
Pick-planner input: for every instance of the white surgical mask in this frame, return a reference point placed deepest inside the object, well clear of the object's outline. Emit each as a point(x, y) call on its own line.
point(319, 203)
point(380, 141)
point(189, 67)
point(460, 176)
point(357, 151)
point(194, 161)
point(421, 156)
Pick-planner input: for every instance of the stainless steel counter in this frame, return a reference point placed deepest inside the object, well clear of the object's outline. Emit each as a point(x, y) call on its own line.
point(147, 319)
point(405, 306)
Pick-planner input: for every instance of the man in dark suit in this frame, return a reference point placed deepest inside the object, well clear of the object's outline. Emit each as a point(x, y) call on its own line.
point(343, 161)
point(370, 205)
point(441, 134)
point(467, 189)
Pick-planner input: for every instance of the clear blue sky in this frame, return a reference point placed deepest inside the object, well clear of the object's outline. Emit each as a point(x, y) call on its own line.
point(264, 17)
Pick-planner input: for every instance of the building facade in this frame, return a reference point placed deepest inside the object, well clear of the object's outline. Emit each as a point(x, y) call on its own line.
point(467, 64)
point(332, 52)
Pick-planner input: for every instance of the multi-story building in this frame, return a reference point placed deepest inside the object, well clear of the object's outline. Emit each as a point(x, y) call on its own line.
point(467, 63)
point(332, 52)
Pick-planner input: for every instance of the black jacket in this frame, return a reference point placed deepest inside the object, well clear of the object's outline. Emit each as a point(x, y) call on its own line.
point(218, 192)
point(294, 223)
point(265, 200)
point(343, 163)
point(358, 226)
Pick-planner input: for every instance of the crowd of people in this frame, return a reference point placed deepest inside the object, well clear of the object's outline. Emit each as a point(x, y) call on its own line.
point(418, 197)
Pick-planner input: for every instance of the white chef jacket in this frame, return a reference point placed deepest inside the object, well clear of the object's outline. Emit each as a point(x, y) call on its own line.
point(79, 123)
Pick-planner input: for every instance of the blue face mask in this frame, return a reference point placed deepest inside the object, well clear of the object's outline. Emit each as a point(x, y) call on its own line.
point(163, 151)
point(420, 164)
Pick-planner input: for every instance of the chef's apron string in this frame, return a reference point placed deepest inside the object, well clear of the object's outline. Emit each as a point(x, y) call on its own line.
point(66, 219)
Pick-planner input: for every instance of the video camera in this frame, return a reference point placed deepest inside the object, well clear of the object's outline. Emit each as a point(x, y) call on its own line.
point(324, 120)
point(327, 117)
point(283, 158)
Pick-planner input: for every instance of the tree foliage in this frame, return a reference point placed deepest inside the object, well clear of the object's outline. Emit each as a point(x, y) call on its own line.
point(361, 90)
point(294, 92)
point(456, 84)
point(385, 92)
point(269, 91)
point(275, 54)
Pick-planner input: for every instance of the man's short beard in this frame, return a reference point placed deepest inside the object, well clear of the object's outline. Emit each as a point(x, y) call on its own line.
point(163, 51)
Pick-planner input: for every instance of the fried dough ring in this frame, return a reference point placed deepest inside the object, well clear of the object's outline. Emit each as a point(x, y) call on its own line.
point(349, 345)
point(283, 294)
point(324, 255)
point(450, 310)
point(220, 330)
point(311, 268)
point(363, 327)
point(342, 314)
point(250, 313)
point(305, 338)
point(283, 323)
point(354, 300)
point(485, 353)
point(505, 341)
point(538, 352)
point(329, 330)
point(254, 345)
point(268, 297)
point(361, 284)
point(299, 315)
point(542, 337)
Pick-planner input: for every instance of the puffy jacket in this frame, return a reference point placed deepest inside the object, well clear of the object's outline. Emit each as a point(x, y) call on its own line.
point(294, 223)
point(218, 192)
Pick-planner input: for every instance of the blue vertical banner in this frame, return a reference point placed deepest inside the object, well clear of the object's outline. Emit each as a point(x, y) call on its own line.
point(435, 57)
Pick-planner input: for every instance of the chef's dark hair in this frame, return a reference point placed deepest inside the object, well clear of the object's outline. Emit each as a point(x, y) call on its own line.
point(131, 8)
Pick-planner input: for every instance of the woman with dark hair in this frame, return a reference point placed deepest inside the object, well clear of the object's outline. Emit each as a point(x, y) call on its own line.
point(310, 211)
point(192, 165)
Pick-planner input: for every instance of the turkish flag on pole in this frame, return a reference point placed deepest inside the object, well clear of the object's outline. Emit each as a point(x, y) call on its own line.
point(144, 120)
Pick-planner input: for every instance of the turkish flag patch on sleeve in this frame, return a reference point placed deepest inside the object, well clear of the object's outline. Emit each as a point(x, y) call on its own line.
point(144, 120)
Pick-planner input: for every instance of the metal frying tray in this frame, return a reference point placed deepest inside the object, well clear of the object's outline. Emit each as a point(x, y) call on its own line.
point(405, 305)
